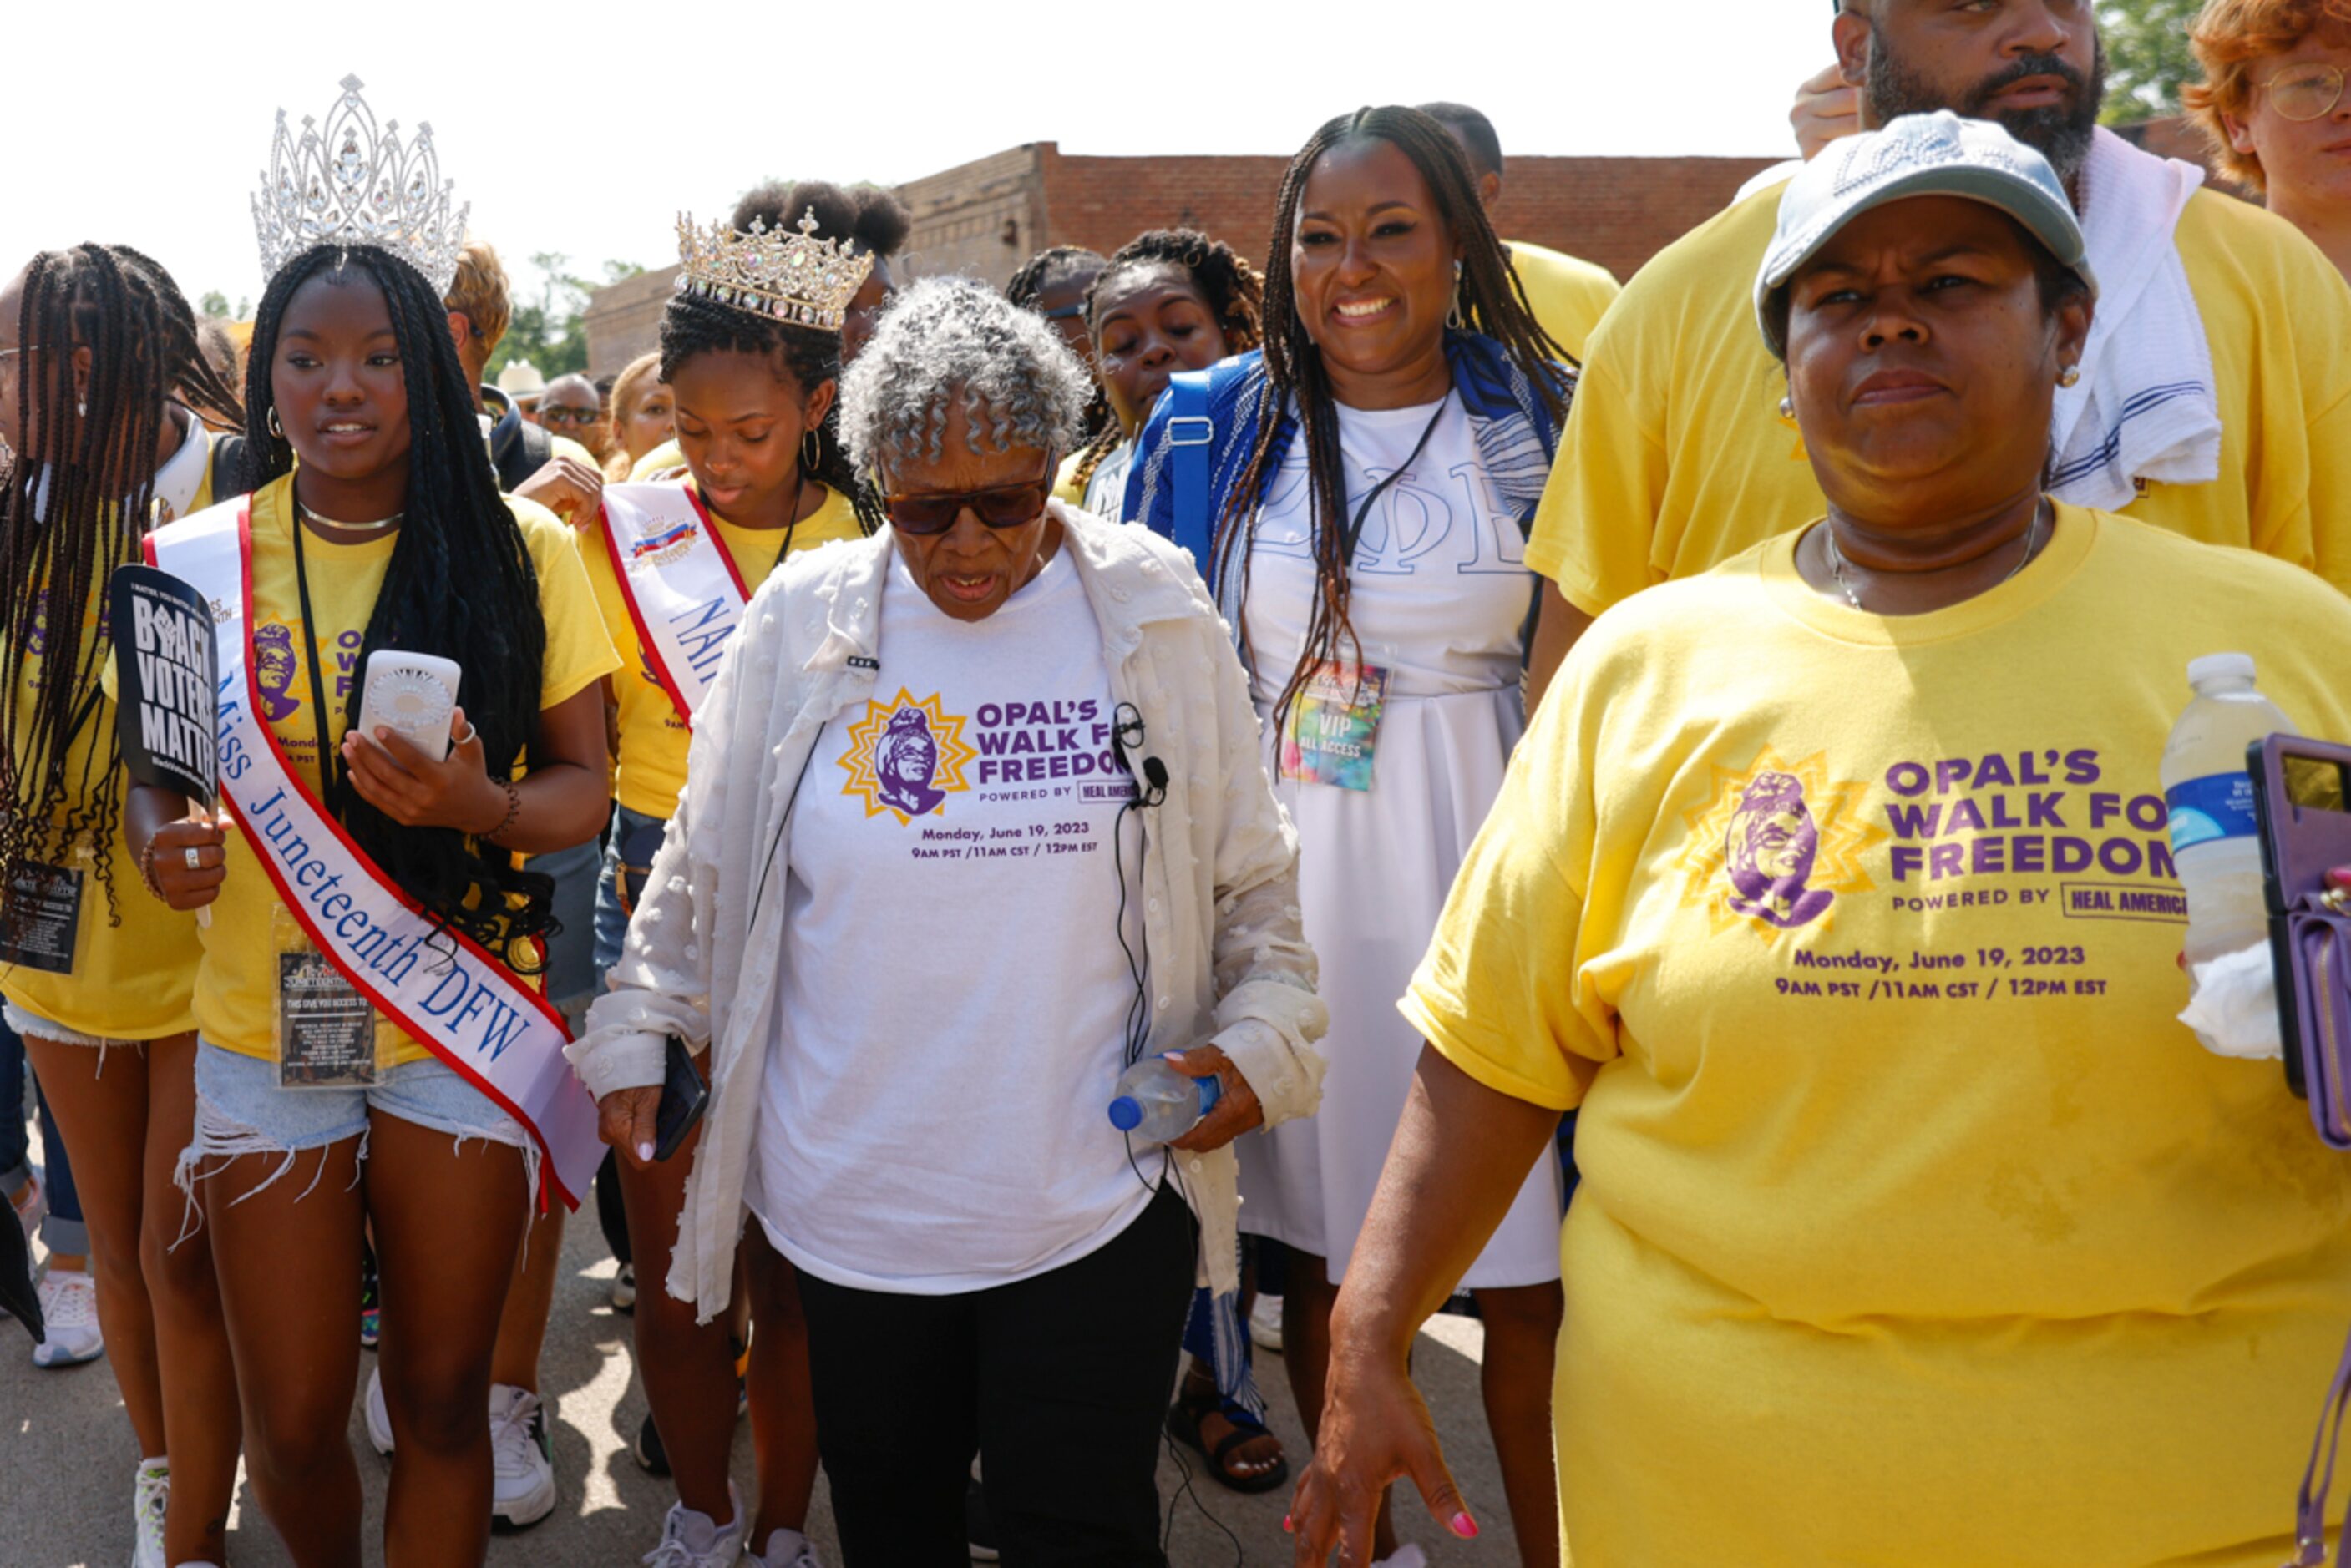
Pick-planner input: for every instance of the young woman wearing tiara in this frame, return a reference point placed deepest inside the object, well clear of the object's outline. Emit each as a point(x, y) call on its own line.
point(752, 373)
point(373, 1055)
point(99, 360)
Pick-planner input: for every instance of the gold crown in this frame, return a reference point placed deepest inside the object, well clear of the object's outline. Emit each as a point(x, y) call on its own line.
point(796, 277)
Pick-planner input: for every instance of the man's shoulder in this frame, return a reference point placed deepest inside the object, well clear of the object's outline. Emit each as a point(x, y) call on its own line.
point(2223, 236)
point(1557, 266)
point(1704, 280)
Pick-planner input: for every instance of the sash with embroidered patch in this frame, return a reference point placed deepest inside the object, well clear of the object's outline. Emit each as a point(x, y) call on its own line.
point(466, 1007)
point(684, 596)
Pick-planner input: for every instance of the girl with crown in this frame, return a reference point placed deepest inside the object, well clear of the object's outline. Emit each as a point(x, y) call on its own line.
point(99, 360)
point(750, 352)
point(373, 1055)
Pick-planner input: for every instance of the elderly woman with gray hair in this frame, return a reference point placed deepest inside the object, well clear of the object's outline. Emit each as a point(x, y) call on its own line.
point(974, 820)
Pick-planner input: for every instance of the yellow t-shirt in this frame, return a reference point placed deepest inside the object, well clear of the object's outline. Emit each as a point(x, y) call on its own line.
point(1676, 456)
point(1066, 486)
point(132, 980)
point(1914, 1229)
point(1569, 294)
point(653, 739)
point(661, 458)
point(235, 996)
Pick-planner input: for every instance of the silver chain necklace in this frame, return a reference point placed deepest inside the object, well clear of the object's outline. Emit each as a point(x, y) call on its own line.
point(321, 521)
point(1837, 557)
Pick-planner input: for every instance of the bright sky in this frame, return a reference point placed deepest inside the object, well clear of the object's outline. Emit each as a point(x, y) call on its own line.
point(570, 133)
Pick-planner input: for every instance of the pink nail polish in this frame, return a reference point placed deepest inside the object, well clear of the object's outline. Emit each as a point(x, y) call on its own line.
point(1465, 1527)
point(1286, 1528)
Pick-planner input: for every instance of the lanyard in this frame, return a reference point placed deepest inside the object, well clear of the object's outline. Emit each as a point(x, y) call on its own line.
point(1355, 525)
point(331, 777)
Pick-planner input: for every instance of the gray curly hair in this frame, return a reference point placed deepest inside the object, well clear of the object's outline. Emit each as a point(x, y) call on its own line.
point(952, 339)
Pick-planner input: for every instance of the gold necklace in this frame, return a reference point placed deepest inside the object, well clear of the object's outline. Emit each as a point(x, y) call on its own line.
point(1837, 557)
point(317, 520)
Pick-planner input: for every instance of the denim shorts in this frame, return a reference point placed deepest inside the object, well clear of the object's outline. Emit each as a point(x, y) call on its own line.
point(33, 1023)
point(638, 836)
point(241, 1110)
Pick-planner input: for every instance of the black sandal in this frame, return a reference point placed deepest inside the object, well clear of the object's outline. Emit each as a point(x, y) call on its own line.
point(1184, 1425)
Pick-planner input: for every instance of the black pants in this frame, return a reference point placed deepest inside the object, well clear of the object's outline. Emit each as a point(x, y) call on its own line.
point(1058, 1383)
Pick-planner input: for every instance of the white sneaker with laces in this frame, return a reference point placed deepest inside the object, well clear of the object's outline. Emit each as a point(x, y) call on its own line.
point(379, 1419)
point(524, 1492)
point(1265, 1324)
point(690, 1540)
point(785, 1549)
point(69, 1318)
point(150, 1494)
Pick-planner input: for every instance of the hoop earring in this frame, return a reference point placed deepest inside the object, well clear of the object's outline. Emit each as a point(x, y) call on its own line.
point(1453, 317)
point(2071, 376)
point(275, 428)
point(812, 452)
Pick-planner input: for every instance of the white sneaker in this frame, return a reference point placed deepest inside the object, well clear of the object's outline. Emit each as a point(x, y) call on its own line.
point(524, 1492)
point(149, 1496)
point(689, 1540)
point(785, 1549)
point(379, 1419)
point(624, 1289)
point(1407, 1556)
point(70, 1319)
point(1265, 1324)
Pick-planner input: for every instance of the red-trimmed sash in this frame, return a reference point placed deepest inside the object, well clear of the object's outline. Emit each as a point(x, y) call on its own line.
point(469, 1008)
point(683, 593)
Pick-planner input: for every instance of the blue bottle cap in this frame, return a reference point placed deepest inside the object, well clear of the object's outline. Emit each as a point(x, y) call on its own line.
point(1125, 1113)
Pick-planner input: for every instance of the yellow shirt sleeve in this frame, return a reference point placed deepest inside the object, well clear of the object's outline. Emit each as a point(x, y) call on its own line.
point(661, 460)
point(1594, 525)
point(1499, 992)
point(579, 650)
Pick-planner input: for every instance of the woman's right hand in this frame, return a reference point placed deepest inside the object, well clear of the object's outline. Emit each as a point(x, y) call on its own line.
point(630, 1121)
point(567, 487)
point(1375, 1429)
point(182, 880)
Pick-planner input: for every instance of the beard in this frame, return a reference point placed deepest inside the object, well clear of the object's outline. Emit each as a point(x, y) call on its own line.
point(2060, 133)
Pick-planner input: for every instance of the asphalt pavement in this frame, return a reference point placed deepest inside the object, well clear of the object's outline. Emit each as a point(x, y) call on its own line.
point(68, 1456)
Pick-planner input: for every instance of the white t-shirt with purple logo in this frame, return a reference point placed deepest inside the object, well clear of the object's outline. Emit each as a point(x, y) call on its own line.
point(952, 1011)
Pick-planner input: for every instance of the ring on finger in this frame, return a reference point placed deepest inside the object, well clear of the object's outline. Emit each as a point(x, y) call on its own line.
point(195, 858)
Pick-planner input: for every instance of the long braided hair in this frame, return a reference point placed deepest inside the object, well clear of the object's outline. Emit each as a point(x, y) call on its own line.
point(1490, 300)
point(1234, 292)
point(73, 505)
point(461, 584)
point(807, 356)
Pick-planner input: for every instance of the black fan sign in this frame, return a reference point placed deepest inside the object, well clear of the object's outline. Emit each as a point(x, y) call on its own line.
point(167, 675)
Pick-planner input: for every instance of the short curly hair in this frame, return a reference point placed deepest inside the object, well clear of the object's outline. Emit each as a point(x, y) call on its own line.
point(2231, 38)
point(949, 340)
point(479, 293)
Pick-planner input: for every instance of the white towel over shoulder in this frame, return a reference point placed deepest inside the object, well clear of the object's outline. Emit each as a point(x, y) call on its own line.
point(2145, 408)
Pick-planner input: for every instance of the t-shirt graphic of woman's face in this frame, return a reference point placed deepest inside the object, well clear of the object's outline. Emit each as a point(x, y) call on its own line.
point(1769, 852)
point(904, 763)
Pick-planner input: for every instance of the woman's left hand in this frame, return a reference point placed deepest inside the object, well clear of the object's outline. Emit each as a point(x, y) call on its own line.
point(1237, 1109)
point(392, 775)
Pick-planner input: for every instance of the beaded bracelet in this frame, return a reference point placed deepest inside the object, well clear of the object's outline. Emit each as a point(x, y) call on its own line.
point(513, 809)
point(146, 871)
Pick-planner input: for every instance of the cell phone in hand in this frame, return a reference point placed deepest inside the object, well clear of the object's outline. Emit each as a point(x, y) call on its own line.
point(685, 1096)
point(412, 695)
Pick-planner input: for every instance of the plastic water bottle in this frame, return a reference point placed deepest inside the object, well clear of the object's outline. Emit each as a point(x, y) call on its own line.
point(2214, 835)
point(1159, 1105)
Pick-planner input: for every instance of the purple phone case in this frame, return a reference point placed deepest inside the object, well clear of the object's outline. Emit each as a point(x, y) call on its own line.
point(2313, 949)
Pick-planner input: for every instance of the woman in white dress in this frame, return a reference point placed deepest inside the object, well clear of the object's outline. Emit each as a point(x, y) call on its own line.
point(1362, 506)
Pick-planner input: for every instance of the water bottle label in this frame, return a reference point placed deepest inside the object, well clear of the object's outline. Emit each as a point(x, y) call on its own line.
point(2218, 806)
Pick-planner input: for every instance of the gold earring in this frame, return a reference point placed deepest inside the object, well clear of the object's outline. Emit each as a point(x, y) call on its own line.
point(275, 428)
point(2071, 376)
point(812, 452)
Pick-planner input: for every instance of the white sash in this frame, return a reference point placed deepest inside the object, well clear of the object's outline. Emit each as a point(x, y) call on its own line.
point(682, 591)
point(470, 1010)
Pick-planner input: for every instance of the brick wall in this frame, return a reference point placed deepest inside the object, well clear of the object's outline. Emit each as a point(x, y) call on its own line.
point(987, 217)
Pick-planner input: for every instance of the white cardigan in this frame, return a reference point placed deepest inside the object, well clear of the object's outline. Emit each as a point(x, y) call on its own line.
point(1228, 958)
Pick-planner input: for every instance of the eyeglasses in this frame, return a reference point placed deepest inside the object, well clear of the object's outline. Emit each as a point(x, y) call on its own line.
point(557, 414)
point(2306, 92)
point(1004, 506)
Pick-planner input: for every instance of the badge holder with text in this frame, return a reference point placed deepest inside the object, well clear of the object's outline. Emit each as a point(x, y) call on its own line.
point(325, 1027)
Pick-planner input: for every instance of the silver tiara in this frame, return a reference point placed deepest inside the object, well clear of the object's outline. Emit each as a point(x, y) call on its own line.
point(352, 184)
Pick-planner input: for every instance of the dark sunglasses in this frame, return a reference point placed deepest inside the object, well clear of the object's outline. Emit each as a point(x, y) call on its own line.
point(560, 415)
point(1004, 506)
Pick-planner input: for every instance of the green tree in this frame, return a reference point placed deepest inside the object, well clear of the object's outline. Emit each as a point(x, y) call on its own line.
point(551, 332)
point(2148, 57)
point(214, 303)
